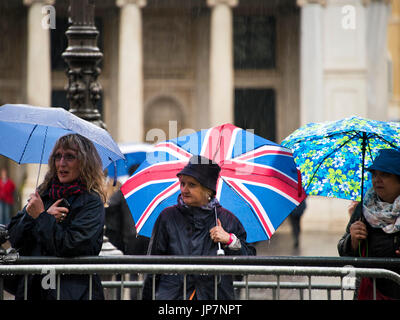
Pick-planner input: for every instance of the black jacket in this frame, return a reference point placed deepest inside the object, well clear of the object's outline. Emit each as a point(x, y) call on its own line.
point(181, 230)
point(80, 234)
point(380, 244)
point(120, 227)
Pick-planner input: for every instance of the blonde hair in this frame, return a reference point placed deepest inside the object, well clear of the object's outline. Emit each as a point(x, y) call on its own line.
point(90, 165)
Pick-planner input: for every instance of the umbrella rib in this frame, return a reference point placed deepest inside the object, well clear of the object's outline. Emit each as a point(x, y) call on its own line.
point(383, 139)
point(327, 156)
point(218, 147)
point(340, 133)
point(26, 144)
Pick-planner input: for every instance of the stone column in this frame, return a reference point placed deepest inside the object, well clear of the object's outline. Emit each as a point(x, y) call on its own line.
point(311, 61)
point(221, 62)
point(130, 72)
point(38, 89)
point(377, 16)
point(394, 49)
point(38, 84)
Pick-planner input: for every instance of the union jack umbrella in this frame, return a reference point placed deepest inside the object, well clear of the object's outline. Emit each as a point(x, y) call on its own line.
point(259, 182)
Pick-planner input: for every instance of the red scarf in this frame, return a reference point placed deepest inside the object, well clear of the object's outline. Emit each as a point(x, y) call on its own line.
point(64, 190)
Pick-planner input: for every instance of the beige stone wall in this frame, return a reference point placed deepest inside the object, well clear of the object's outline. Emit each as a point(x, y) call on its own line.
point(394, 58)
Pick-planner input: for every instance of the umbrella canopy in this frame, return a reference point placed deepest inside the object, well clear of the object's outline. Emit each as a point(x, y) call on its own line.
point(258, 180)
point(135, 154)
point(332, 155)
point(29, 133)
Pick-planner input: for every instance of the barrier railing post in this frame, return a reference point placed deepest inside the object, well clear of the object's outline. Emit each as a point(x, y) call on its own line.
point(278, 288)
point(153, 288)
point(374, 288)
point(26, 287)
point(216, 287)
point(247, 287)
point(90, 287)
point(341, 289)
point(184, 286)
point(122, 286)
point(58, 286)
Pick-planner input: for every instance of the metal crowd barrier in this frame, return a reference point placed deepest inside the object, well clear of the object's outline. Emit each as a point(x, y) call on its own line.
point(239, 266)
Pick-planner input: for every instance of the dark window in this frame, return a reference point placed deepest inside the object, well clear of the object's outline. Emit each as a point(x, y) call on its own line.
point(254, 39)
point(59, 43)
point(255, 109)
point(59, 99)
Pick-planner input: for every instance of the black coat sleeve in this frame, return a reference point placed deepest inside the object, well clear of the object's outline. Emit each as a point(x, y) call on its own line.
point(231, 224)
point(21, 234)
point(157, 246)
point(80, 235)
point(344, 244)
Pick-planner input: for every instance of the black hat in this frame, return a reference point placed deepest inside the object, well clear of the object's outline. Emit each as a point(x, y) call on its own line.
point(203, 170)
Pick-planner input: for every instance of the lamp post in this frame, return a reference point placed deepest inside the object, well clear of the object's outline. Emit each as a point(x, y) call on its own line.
point(83, 57)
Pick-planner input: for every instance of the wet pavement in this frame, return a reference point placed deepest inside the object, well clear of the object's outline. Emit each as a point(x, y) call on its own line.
point(312, 243)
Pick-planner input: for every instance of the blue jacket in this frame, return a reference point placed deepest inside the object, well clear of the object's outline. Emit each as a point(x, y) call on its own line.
point(80, 234)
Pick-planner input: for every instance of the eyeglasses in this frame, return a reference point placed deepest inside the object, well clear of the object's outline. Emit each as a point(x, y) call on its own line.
point(69, 157)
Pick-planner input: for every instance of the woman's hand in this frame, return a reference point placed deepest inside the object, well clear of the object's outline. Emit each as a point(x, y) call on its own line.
point(218, 234)
point(35, 205)
point(358, 231)
point(58, 212)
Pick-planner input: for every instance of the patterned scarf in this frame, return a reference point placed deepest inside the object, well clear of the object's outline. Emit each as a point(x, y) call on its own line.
point(60, 190)
point(381, 214)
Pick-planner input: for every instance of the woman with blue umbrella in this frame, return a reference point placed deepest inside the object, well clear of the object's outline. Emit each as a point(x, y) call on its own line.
point(63, 218)
point(374, 227)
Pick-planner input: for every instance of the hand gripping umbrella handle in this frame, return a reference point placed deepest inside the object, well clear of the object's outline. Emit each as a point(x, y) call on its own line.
point(220, 251)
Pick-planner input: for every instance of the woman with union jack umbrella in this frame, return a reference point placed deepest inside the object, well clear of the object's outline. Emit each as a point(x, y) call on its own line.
point(196, 225)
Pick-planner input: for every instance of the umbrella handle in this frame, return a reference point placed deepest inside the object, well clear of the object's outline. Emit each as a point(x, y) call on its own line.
point(115, 171)
point(220, 251)
point(299, 184)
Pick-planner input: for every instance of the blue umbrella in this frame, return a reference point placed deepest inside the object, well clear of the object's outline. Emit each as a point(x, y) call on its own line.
point(135, 154)
point(259, 181)
point(29, 133)
point(332, 156)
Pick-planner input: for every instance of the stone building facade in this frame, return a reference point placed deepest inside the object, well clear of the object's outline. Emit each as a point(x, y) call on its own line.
point(171, 65)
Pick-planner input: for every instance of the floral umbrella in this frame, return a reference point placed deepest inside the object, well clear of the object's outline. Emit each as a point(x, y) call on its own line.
point(332, 155)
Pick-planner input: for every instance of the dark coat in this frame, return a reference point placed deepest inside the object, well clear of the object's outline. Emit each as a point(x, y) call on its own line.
point(181, 230)
point(80, 234)
point(380, 244)
point(120, 227)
